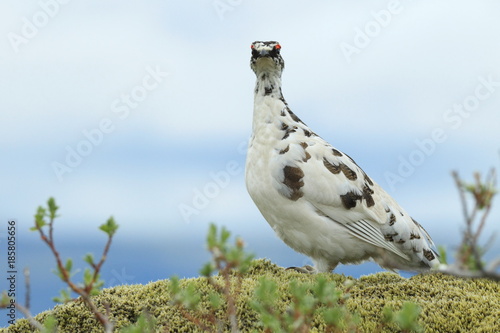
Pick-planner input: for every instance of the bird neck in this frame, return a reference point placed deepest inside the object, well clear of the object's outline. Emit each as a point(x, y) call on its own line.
point(268, 102)
point(268, 84)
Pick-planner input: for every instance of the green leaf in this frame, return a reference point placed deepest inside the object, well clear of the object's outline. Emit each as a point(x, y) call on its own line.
point(96, 288)
point(174, 287)
point(233, 255)
point(64, 296)
point(407, 317)
point(305, 303)
point(266, 292)
point(99, 283)
point(68, 266)
point(50, 324)
point(215, 300)
point(263, 303)
point(88, 276)
point(335, 316)
point(224, 235)
point(190, 297)
point(442, 255)
point(89, 259)
point(387, 314)
point(145, 324)
point(109, 227)
point(207, 269)
point(88, 280)
point(271, 321)
point(212, 236)
point(51, 204)
point(4, 300)
point(326, 292)
point(246, 263)
point(39, 218)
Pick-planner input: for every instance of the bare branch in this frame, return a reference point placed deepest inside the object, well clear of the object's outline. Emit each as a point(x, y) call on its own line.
point(27, 284)
point(65, 274)
point(470, 252)
point(27, 314)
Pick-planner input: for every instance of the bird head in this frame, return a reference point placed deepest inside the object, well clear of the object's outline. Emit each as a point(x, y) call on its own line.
point(266, 57)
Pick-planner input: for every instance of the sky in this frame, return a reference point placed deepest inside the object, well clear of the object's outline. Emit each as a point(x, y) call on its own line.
point(142, 111)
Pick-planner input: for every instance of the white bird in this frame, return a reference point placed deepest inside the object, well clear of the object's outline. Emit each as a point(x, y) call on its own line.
point(315, 197)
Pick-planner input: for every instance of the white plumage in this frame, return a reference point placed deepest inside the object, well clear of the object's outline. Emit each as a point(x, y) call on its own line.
point(316, 198)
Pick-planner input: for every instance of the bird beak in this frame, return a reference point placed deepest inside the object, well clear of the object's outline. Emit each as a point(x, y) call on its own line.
point(264, 53)
point(260, 54)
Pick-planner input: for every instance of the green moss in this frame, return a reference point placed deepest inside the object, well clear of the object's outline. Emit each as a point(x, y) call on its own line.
point(448, 304)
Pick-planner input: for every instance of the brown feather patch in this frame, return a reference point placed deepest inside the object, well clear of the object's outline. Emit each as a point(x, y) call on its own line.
point(349, 199)
point(392, 219)
point(414, 236)
point(293, 180)
point(294, 117)
point(308, 156)
point(307, 133)
point(390, 237)
point(348, 172)
point(335, 169)
point(367, 195)
point(336, 152)
point(288, 130)
point(282, 151)
point(367, 179)
point(429, 255)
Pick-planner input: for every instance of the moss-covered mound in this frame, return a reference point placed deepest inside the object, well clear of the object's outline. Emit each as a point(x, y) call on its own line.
point(449, 304)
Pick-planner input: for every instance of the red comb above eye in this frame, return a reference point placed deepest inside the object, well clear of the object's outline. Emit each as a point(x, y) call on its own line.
point(251, 46)
point(277, 47)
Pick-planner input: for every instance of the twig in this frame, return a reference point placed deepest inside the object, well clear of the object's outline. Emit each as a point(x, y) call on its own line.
point(5, 299)
point(27, 284)
point(65, 274)
point(461, 192)
point(84, 293)
point(26, 312)
point(97, 268)
point(193, 319)
point(231, 303)
point(483, 194)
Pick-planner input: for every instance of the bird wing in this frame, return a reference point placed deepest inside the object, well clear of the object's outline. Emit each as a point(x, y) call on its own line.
point(339, 189)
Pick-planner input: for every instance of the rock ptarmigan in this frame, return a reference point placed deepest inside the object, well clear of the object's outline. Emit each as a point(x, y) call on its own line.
point(315, 197)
